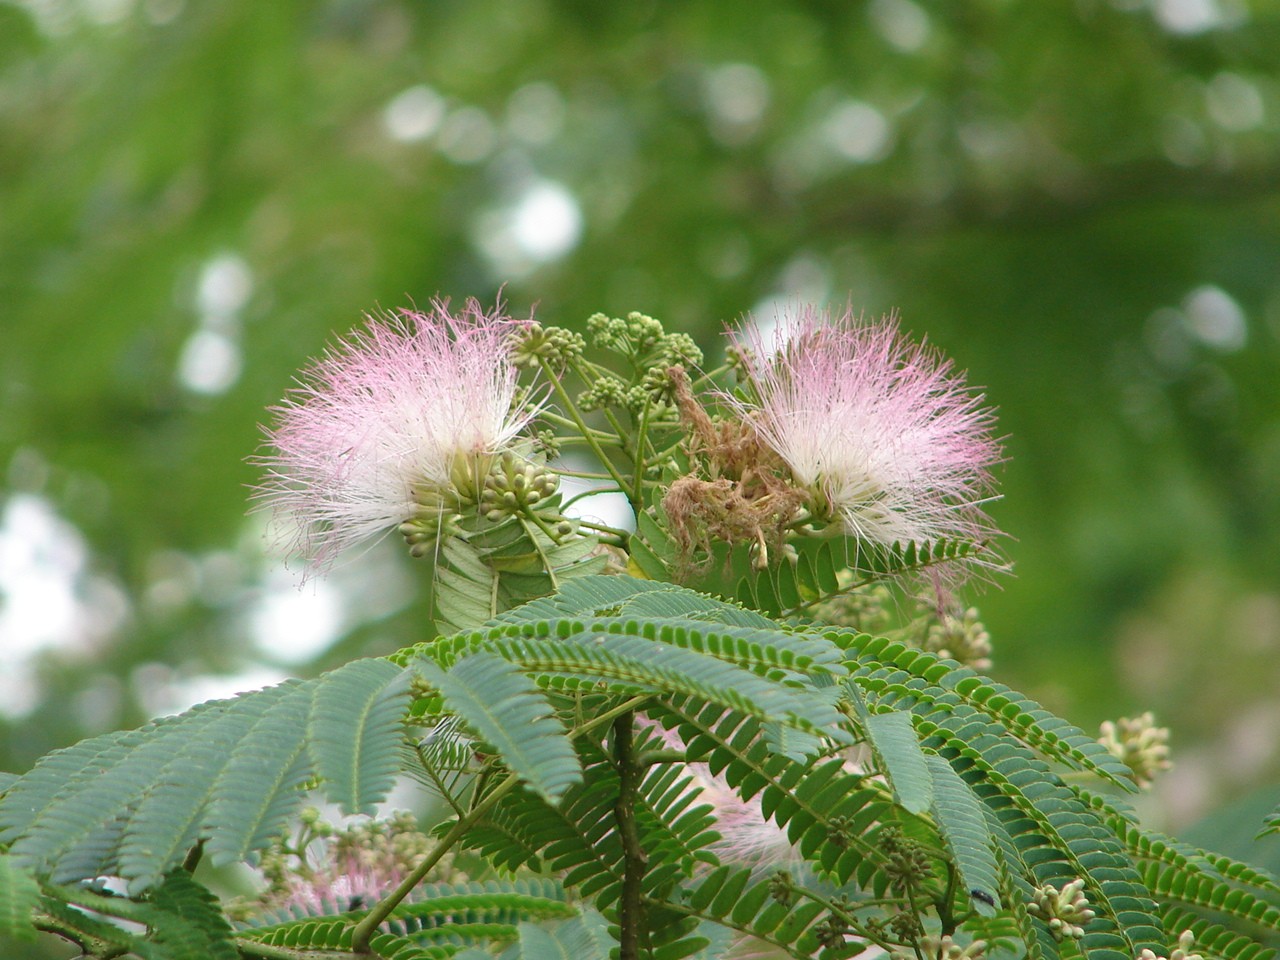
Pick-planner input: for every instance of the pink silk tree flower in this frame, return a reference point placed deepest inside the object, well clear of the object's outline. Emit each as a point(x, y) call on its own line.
point(401, 419)
point(881, 431)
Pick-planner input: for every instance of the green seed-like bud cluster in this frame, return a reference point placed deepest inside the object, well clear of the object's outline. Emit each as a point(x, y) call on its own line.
point(635, 335)
point(963, 638)
point(513, 486)
point(436, 518)
point(1140, 744)
point(831, 932)
point(782, 888)
point(1182, 951)
point(679, 348)
point(643, 338)
point(555, 345)
point(908, 861)
point(605, 392)
point(549, 443)
point(1065, 911)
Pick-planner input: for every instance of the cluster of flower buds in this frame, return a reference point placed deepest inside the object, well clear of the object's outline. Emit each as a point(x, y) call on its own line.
point(945, 948)
point(964, 638)
point(1181, 952)
point(908, 861)
point(1140, 744)
point(514, 486)
point(554, 345)
point(1065, 911)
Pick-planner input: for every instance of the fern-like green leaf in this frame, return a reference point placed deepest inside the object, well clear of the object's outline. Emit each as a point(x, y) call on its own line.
point(681, 604)
point(591, 596)
point(1057, 835)
point(894, 740)
point(76, 833)
point(355, 731)
point(19, 895)
point(636, 664)
point(501, 704)
point(168, 820)
point(188, 921)
point(962, 822)
point(260, 786)
point(1211, 893)
point(335, 936)
point(464, 591)
point(1019, 715)
point(732, 897)
point(1213, 939)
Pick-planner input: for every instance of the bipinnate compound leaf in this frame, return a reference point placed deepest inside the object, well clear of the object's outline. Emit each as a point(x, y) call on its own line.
point(260, 787)
point(962, 823)
point(355, 732)
point(168, 819)
point(19, 894)
point(894, 740)
point(504, 707)
point(187, 921)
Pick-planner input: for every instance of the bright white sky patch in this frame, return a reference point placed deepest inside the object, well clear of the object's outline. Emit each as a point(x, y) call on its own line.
point(467, 136)
point(294, 624)
point(611, 509)
point(414, 114)
point(902, 23)
point(47, 599)
point(542, 225)
point(535, 113)
point(210, 363)
point(859, 132)
point(736, 97)
point(1234, 103)
point(546, 223)
point(211, 359)
point(225, 285)
point(1216, 319)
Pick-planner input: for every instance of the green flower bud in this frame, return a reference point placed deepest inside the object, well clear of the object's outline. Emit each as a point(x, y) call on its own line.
point(554, 345)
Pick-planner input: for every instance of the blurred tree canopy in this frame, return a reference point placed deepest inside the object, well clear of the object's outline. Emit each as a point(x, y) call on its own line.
point(1078, 201)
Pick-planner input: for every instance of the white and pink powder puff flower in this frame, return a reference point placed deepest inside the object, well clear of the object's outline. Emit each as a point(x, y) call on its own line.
point(388, 422)
point(882, 431)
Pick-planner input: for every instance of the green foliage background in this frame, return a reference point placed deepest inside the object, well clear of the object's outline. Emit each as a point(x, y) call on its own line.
point(1053, 183)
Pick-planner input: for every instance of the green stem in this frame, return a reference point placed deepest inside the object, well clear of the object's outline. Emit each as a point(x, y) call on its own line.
point(601, 435)
point(90, 946)
point(365, 929)
point(602, 528)
point(634, 858)
point(650, 757)
point(581, 425)
point(641, 438)
point(542, 554)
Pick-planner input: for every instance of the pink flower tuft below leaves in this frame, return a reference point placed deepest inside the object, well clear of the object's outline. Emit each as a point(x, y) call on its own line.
point(383, 415)
point(882, 430)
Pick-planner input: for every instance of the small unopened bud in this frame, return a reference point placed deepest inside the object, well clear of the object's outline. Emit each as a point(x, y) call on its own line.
point(555, 345)
point(1181, 952)
point(1140, 744)
point(962, 638)
point(1064, 911)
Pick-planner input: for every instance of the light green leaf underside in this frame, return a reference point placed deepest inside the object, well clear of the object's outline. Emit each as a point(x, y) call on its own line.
point(502, 705)
point(229, 773)
point(19, 894)
point(353, 736)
